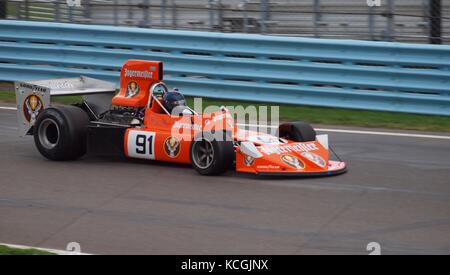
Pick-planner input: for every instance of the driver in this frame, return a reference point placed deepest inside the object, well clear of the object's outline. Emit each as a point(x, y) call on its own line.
point(175, 103)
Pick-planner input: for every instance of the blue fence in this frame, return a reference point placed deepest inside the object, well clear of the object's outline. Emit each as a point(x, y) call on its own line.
point(319, 72)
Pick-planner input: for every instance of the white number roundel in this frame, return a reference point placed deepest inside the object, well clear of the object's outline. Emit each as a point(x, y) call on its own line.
point(141, 144)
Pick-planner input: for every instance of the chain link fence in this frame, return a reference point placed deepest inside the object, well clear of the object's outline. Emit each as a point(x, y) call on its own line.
point(423, 21)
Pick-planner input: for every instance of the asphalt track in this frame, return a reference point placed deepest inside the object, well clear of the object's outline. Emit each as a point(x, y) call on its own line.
point(396, 193)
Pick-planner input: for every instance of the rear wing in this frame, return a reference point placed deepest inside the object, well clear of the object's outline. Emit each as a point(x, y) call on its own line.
point(33, 97)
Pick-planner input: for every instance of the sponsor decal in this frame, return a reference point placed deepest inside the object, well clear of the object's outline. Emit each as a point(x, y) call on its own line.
point(289, 148)
point(293, 162)
point(32, 106)
point(138, 74)
point(172, 147)
point(35, 88)
point(185, 125)
point(248, 160)
point(133, 89)
point(51, 84)
point(335, 165)
point(315, 159)
point(268, 167)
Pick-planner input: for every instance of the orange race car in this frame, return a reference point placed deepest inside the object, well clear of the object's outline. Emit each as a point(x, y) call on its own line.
point(147, 121)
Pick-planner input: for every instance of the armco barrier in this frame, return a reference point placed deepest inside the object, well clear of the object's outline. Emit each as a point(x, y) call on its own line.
point(335, 73)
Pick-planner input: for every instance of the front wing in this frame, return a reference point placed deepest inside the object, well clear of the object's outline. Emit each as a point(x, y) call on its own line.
point(292, 159)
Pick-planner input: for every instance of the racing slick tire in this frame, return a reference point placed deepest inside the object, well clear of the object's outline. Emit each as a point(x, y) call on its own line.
point(212, 153)
point(60, 133)
point(297, 131)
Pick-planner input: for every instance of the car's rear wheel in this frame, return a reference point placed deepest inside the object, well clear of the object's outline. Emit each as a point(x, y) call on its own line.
point(297, 131)
point(212, 154)
point(60, 133)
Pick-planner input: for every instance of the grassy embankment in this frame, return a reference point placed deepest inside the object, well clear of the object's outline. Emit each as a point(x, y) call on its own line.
point(317, 115)
point(6, 250)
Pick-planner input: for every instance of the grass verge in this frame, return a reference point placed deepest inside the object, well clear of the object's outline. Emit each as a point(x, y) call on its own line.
point(317, 115)
point(11, 9)
point(6, 250)
point(349, 117)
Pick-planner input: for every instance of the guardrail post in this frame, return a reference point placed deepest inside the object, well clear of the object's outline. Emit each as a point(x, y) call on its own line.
point(70, 10)
point(146, 13)
point(371, 23)
point(435, 22)
point(317, 17)
point(116, 14)
point(57, 11)
point(3, 7)
point(264, 15)
point(174, 14)
point(163, 13)
point(87, 9)
point(129, 13)
point(390, 31)
point(244, 8)
point(220, 14)
point(27, 9)
point(211, 13)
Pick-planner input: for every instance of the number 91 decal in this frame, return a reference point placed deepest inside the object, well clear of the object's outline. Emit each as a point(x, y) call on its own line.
point(141, 144)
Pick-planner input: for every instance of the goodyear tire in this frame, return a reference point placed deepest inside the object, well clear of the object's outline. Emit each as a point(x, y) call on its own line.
point(212, 153)
point(297, 131)
point(60, 133)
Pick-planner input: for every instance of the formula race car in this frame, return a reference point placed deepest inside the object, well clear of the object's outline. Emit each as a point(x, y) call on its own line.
point(147, 121)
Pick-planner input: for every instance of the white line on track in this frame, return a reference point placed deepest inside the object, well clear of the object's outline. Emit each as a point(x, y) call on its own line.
point(8, 108)
point(54, 251)
point(383, 133)
point(359, 132)
point(330, 130)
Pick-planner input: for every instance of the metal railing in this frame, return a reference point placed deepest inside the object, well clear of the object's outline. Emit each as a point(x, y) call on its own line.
point(320, 72)
point(394, 20)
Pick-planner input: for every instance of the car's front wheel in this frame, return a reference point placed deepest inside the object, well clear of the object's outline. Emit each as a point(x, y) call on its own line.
point(60, 133)
point(212, 154)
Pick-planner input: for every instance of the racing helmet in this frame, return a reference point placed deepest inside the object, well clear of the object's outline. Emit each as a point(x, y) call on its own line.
point(173, 100)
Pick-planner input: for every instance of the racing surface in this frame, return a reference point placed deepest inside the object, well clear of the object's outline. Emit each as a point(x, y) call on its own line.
point(396, 193)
